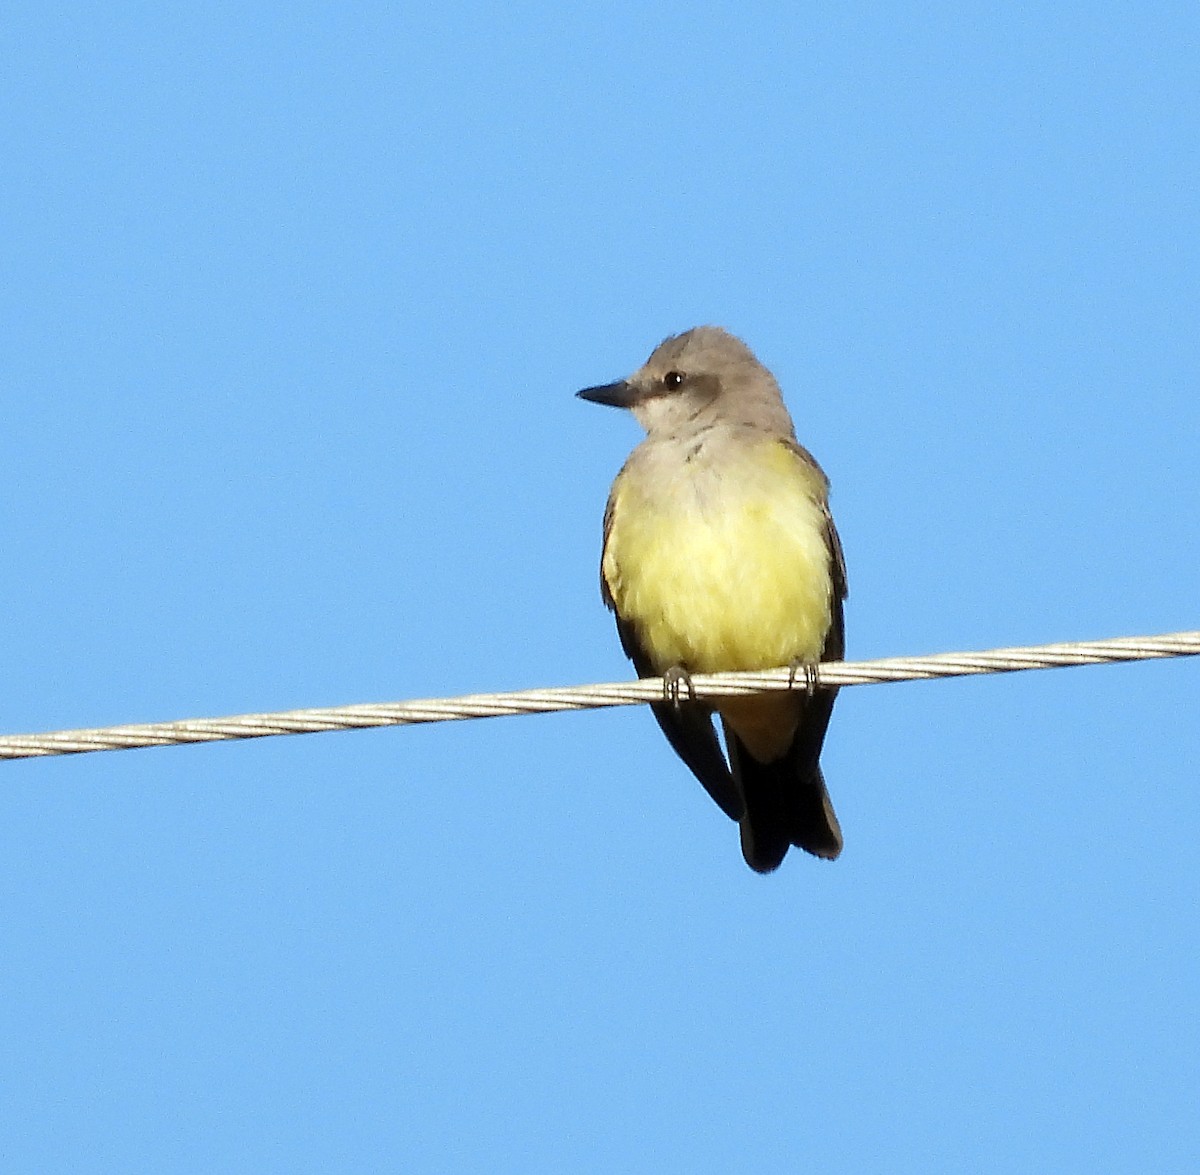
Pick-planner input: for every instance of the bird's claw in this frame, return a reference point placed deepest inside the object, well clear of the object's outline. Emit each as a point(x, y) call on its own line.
point(675, 677)
point(809, 670)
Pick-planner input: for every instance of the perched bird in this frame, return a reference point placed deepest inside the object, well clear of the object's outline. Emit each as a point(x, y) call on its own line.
point(720, 554)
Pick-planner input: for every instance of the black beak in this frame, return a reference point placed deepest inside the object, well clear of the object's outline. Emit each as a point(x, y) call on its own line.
point(618, 395)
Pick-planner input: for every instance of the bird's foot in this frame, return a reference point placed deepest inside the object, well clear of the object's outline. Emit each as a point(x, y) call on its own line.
point(675, 677)
point(809, 671)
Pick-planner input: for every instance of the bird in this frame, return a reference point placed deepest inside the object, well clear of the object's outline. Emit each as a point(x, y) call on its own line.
point(719, 554)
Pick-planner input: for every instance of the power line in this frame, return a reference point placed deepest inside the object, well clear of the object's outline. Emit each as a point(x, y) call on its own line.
point(587, 697)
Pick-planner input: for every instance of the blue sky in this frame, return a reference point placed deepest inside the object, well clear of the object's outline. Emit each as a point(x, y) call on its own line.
point(295, 301)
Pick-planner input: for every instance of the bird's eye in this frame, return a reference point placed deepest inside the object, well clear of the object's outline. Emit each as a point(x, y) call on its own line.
point(673, 379)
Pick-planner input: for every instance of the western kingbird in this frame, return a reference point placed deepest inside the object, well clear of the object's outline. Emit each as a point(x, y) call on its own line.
point(720, 554)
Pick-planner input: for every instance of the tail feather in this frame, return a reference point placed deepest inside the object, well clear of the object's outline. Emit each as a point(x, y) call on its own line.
point(786, 804)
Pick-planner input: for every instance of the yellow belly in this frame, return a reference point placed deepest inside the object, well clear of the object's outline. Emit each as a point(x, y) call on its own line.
point(723, 569)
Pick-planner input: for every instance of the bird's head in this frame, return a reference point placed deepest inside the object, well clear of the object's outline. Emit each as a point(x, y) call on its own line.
point(695, 380)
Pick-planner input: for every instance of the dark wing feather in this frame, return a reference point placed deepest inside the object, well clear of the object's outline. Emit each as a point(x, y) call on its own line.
point(690, 731)
point(805, 753)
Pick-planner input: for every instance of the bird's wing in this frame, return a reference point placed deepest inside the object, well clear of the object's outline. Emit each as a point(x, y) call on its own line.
point(835, 640)
point(810, 734)
point(687, 725)
point(837, 557)
point(690, 731)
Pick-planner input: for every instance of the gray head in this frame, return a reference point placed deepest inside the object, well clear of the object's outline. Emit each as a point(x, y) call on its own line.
point(698, 379)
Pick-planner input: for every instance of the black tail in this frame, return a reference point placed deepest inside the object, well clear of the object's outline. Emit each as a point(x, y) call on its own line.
point(786, 801)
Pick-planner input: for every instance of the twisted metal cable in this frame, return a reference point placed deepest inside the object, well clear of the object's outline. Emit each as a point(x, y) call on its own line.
point(585, 697)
